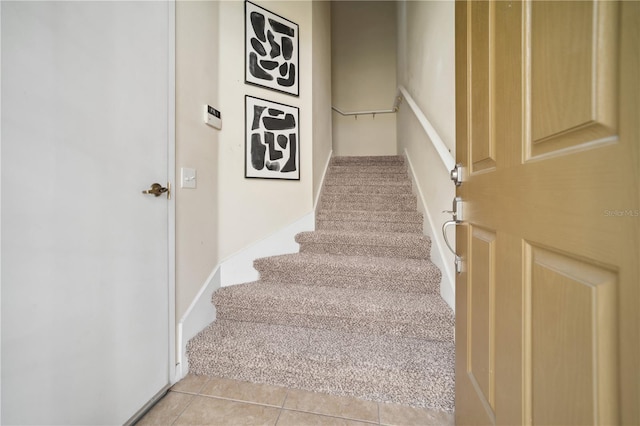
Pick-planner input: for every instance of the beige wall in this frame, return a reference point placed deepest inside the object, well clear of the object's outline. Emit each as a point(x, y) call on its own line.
point(321, 62)
point(426, 68)
point(252, 209)
point(363, 76)
point(426, 61)
point(196, 147)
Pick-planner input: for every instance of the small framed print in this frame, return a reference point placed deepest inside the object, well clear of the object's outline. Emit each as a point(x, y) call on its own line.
point(272, 149)
point(271, 50)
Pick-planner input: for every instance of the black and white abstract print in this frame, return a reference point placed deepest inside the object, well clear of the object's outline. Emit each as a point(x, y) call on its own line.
point(272, 148)
point(271, 50)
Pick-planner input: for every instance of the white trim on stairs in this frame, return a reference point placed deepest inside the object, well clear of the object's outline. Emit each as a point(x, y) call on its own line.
point(234, 270)
point(199, 314)
point(324, 175)
point(447, 286)
point(238, 269)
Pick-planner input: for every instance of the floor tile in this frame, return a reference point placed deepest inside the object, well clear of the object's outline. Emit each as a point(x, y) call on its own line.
point(167, 409)
point(393, 414)
point(213, 411)
point(190, 384)
point(245, 391)
point(297, 418)
point(339, 406)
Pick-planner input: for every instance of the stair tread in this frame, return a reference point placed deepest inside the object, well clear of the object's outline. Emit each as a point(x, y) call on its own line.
point(387, 239)
point(367, 159)
point(365, 215)
point(355, 179)
point(371, 304)
point(380, 368)
point(377, 169)
point(364, 265)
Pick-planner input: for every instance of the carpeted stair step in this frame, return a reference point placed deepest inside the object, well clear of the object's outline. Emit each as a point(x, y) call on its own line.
point(368, 202)
point(368, 188)
point(378, 221)
point(367, 179)
point(368, 160)
point(374, 273)
point(421, 316)
point(379, 368)
point(377, 244)
point(370, 170)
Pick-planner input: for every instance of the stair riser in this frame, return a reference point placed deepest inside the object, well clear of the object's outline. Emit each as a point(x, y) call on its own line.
point(390, 199)
point(356, 179)
point(428, 284)
point(395, 178)
point(369, 226)
point(413, 252)
point(441, 328)
point(368, 189)
point(390, 217)
point(382, 159)
point(375, 170)
point(358, 206)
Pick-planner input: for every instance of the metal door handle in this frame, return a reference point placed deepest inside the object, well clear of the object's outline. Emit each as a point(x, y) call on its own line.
point(157, 190)
point(458, 259)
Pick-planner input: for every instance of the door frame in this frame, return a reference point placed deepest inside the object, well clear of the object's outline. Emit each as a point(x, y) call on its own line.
point(171, 176)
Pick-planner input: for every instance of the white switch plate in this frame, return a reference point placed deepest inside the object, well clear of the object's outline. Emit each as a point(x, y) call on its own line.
point(187, 178)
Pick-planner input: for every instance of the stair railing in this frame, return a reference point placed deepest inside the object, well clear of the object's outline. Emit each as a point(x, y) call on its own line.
point(372, 112)
point(402, 94)
point(442, 150)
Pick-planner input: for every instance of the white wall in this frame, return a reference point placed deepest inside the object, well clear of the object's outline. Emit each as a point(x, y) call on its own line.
point(426, 68)
point(251, 209)
point(321, 62)
point(196, 147)
point(363, 43)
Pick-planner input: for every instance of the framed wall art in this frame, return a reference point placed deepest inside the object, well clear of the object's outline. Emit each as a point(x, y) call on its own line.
point(271, 50)
point(272, 149)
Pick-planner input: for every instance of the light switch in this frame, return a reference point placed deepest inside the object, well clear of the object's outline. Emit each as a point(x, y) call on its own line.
point(188, 178)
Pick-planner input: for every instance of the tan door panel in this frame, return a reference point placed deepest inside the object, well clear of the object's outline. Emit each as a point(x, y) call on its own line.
point(548, 133)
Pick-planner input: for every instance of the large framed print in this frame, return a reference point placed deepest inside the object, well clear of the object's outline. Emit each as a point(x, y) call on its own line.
point(271, 50)
point(272, 143)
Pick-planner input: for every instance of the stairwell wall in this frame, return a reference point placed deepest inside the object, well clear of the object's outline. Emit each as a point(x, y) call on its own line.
point(363, 47)
point(196, 147)
point(321, 63)
point(426, 68)
point(252, 209)
point(252, 217)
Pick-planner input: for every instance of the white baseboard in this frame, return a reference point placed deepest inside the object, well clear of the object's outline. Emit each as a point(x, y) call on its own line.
point(234, 270)
point(200, 314)
point(324, 175)
point(438, 251)
point(239, 267)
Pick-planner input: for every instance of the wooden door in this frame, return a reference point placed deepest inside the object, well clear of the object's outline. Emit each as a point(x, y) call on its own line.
point(85, 281)
point(548, 133)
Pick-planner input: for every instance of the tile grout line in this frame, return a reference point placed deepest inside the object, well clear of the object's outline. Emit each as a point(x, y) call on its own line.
point(284, 401)
point(242, 401)
point(193, 397)
point(330, 415)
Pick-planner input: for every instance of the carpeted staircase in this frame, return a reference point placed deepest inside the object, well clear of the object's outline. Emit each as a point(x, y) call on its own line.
point(357, 312)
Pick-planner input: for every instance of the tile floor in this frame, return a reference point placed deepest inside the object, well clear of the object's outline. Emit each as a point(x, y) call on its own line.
point(199, 400)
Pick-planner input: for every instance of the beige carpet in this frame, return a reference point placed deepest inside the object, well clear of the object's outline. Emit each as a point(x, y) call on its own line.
point(357, 312)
